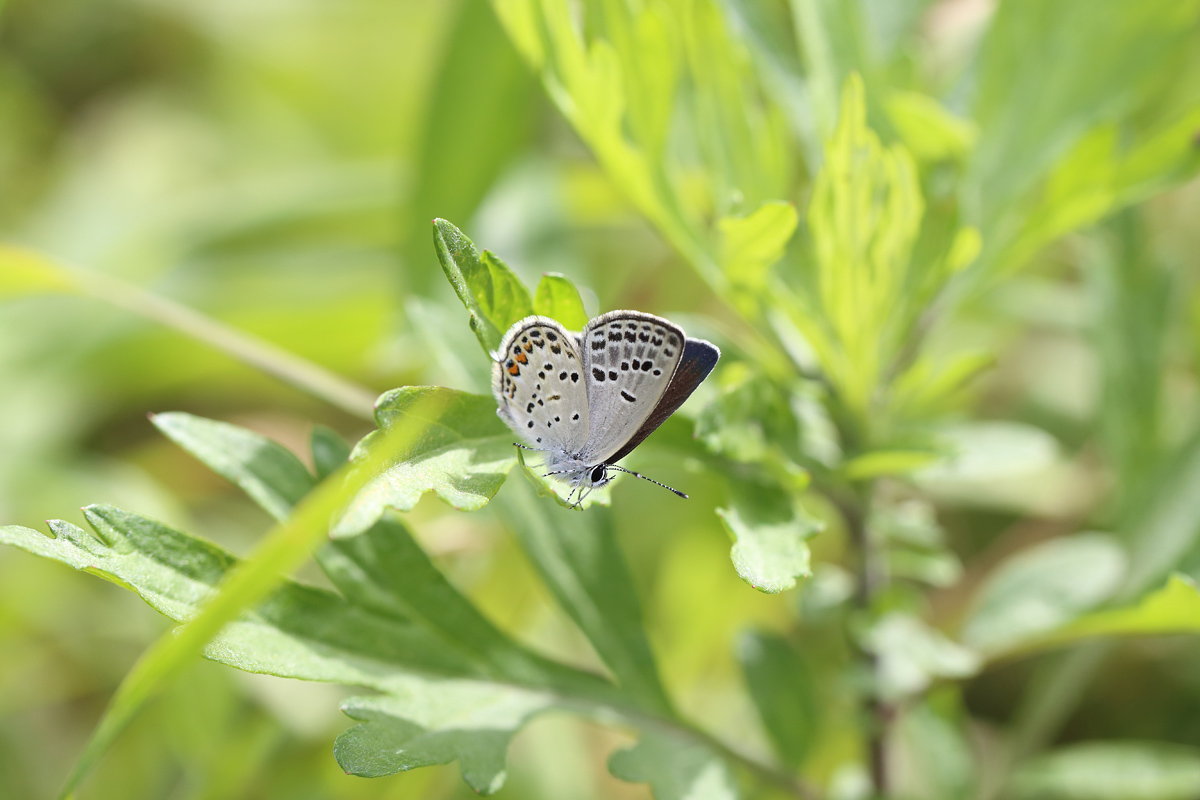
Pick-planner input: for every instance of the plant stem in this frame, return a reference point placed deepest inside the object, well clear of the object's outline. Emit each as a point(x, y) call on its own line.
point(870, 579)
point(250, 350)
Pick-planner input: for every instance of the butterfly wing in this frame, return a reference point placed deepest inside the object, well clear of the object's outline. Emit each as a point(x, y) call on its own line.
point(538, 380)
point(699, 358)
point(628, 359)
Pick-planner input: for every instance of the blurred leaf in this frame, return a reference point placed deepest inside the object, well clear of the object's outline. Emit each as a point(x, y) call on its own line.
point(29, 272)
point(912, 654)
point(329, 451)
point(263, 469)
point(464, 455)
point(674, 769)
point(470, 723)
point(749, 419)
point(750, 245)
point(480, 112)
point(557, 298)
point(833, 47)
point(769, 529)
point(1168, 524)
point(1043, 588)
point(577, 556)
point(880, 463)
point(1173, 609)
point(493, 295)
point(937, 758)
point(857, 313)
point(938, 569)
point(928, 130)
point(1110, 771)
point(781, 685)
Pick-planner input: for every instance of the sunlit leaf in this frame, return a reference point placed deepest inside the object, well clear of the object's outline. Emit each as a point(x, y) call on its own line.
point(29, 272)
point(751, 244)
point(770, 532)
point(1111, 771)
point(265, 470)
point(493, 295)
point(464, 456)
point(1173, 609)
point(879, 463)
point(556, 297)
point(928, 129)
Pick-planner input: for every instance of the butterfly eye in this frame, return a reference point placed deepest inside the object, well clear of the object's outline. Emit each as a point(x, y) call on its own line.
point(598, 474)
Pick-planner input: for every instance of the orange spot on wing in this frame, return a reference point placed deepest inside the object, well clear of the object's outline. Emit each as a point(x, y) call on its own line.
point(528, 347)
point(521, 357)
point(514, 370)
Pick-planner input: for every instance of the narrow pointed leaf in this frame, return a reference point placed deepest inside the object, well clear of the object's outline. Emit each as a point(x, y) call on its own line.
point(492, 294)
point(781, 686)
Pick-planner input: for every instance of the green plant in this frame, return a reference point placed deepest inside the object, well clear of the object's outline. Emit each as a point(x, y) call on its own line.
point(843, 221)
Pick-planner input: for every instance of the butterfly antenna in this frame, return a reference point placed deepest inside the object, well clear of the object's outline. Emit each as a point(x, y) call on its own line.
point(643, 477)
point(535, 449)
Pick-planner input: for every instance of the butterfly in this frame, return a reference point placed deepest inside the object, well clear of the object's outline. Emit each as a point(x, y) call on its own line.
point(587, 399)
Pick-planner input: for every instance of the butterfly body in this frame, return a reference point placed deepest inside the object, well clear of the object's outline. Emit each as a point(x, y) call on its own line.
point(587, 399)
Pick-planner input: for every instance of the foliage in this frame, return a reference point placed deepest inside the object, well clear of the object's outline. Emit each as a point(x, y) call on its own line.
point(950, 448)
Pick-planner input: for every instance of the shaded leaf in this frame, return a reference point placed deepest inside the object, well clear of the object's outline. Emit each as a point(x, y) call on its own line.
point(675, 770)
point(1043, 588)
point(770, 532)
point(463, 456)
point(556, 297)
point(577, 556)
point(936, 753)
point(329, 451)
point(472, 723)
point(1111, 771)
point(781, 686)
point(265, 470)
point(492, 294)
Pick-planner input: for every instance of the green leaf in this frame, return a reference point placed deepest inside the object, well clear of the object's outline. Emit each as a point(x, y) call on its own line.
point(928, 130)
point(1111, 771)
point(781, 686)
point(464, 455)
point(263, 469)
point(1044, 588)
point(675, 770)
point(329, 451)
point(297, 632)
point(749, 420)
point(472, 723)
point(912, 654)
point(938, 755)
point(1173, 609)
point(881, 463)
point(770, 531)
point(833, 47)
point(557, 298)
point(492, 294)
point(577, 556)
point(750, 245)
point(29, 272)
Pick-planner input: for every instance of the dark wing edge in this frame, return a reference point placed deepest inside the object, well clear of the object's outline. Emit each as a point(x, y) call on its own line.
point(698, 359)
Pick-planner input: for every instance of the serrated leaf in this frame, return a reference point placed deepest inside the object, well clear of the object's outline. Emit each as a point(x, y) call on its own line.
point(1111, 771)
point(750, 245)
point(492, 294)
point(912, 654)
point(298, 632)
point(556, 297)
point(265, 470)
point(1043, 588)
point(675, 770)
point(464, 455)
point(329, 451)
point(770, 532)
point(25, 271)
point(747, 420)
point(781, 686)
point(471, 723)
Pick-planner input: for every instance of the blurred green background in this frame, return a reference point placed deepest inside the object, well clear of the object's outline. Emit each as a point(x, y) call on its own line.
point(276, 165)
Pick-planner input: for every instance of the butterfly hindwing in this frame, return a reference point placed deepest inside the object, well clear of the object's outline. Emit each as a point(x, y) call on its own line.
point(539, 384)
point(629, 359)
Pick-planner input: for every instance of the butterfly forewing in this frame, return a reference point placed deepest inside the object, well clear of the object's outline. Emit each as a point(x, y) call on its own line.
point(628, 359)
point(539, 384)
